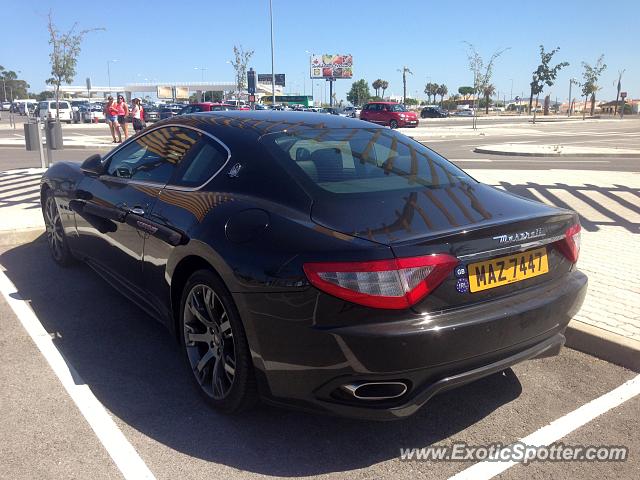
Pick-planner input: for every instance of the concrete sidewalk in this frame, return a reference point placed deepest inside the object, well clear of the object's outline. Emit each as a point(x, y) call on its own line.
point(608, 325)
point(528, 150)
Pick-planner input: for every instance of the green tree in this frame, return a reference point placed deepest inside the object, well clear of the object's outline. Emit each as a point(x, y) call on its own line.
point(44, 95)
point(431, 89)
point(359, 93)
point(65, 49)
point(442, 90)
point(239, 63)
point(591, 75)
point(465, 91)
point(482, 70)
point(384, 85)
point(411, 101)
point(544, 75)
point(487, 92)
point(12, 86)
point(377, 85)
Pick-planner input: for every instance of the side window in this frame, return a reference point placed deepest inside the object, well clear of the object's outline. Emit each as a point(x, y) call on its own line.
point(205, 159)
point(153, 157)
point(196, 108)
point(186, 110)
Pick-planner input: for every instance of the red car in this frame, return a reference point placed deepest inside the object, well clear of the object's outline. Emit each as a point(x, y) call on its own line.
point(205, 107)
point(389, 113)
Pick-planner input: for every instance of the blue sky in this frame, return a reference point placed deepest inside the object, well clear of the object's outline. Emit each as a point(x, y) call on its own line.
point(164, 40)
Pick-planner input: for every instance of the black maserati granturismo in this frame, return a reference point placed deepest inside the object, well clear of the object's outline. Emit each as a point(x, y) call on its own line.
point(316, 261)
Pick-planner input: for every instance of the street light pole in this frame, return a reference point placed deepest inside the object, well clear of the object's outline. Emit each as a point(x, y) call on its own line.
point(313, 100)
point(109, 72)
point(273, 73)
point(511, 97)
point(571, 82)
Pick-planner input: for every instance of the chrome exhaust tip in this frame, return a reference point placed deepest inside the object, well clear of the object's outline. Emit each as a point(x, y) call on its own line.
point(375, 390)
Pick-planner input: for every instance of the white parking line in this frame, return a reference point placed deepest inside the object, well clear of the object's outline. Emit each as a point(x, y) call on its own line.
point(121, 451)
point(557, 429)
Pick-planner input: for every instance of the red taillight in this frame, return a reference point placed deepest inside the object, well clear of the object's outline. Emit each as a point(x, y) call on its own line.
point(394, 284)
point(569, 246)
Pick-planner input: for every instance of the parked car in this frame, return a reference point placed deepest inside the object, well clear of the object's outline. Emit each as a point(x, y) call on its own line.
point(206, 107)
point(93, 113)
point(353, 112)
point(469, 112)
point(433, 112)
point(47, 110)
point(151, 113)
point(169, 110)
point(6, 106)
point(75, 108)
point(392, 114)
point(318, 261)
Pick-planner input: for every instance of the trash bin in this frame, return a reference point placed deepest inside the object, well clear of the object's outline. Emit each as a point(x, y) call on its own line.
point(31, 136)
point(53, 132)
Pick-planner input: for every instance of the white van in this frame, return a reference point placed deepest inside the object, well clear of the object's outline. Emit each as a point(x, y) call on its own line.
point(48, 110)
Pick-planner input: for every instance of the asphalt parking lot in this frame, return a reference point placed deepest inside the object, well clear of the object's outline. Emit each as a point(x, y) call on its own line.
point(134, 368)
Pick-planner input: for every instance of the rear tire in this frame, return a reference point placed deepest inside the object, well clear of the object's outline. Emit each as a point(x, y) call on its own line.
point(56, 238)
point(393, 124)
point(215, 344)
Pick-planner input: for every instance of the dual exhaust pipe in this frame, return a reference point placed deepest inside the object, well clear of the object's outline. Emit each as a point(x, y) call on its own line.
point(372, 391)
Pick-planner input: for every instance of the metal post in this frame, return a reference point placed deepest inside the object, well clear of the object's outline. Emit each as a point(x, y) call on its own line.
point(109, 75)
point(43, 162)
point(331, 92)
point(511, 97)
point(569, 109)
point(273, 72)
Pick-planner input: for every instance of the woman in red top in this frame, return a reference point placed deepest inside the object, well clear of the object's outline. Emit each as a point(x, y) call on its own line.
point(111, 116)
point(123, 113)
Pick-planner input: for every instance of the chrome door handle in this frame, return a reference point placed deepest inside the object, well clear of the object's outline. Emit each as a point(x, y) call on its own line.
point(137, 211)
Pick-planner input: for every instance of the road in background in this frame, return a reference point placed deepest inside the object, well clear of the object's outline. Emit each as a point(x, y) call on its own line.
point(452, 138)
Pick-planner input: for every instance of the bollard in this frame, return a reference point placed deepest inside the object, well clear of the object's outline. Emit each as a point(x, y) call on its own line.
point(53, 132)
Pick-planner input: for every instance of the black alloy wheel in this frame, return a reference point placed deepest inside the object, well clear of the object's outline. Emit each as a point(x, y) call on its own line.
point(54, 230)
point(215, 344)
point(393, 124)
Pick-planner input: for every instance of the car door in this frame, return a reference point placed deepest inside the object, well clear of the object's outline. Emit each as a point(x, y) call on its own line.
point(113, 208)
point(181, 209)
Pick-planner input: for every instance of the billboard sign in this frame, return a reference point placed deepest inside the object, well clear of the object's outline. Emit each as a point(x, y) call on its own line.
point(182, 93)
point(266, 78)
point(164, 92)
point(331, 66)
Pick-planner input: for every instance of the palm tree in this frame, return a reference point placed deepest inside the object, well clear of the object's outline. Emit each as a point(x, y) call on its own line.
point(488, 91)
point(428, 92)
point(384, 85)
point(442, 90)
point(376, 86)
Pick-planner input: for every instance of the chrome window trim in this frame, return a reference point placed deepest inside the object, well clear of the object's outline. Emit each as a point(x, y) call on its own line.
point(512, 248)
point(170, 186)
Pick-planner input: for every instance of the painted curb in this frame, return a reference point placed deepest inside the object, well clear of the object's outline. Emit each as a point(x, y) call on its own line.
point(532, 154)
point(603, 344)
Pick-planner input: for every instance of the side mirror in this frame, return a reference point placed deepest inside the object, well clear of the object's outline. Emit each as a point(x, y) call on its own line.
point(93, 164)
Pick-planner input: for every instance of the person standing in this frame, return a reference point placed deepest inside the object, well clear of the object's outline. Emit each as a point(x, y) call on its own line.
point(137, 114)
point(111, 115)
point(123, 113)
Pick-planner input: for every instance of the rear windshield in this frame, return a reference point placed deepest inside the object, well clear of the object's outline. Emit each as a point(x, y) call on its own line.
point(52, 105)
point(348, 161)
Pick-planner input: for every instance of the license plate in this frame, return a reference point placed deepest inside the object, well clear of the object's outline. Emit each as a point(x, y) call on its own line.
point(510, 269)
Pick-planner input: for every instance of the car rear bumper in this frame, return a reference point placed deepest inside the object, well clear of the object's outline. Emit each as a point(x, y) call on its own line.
point(303, 365)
